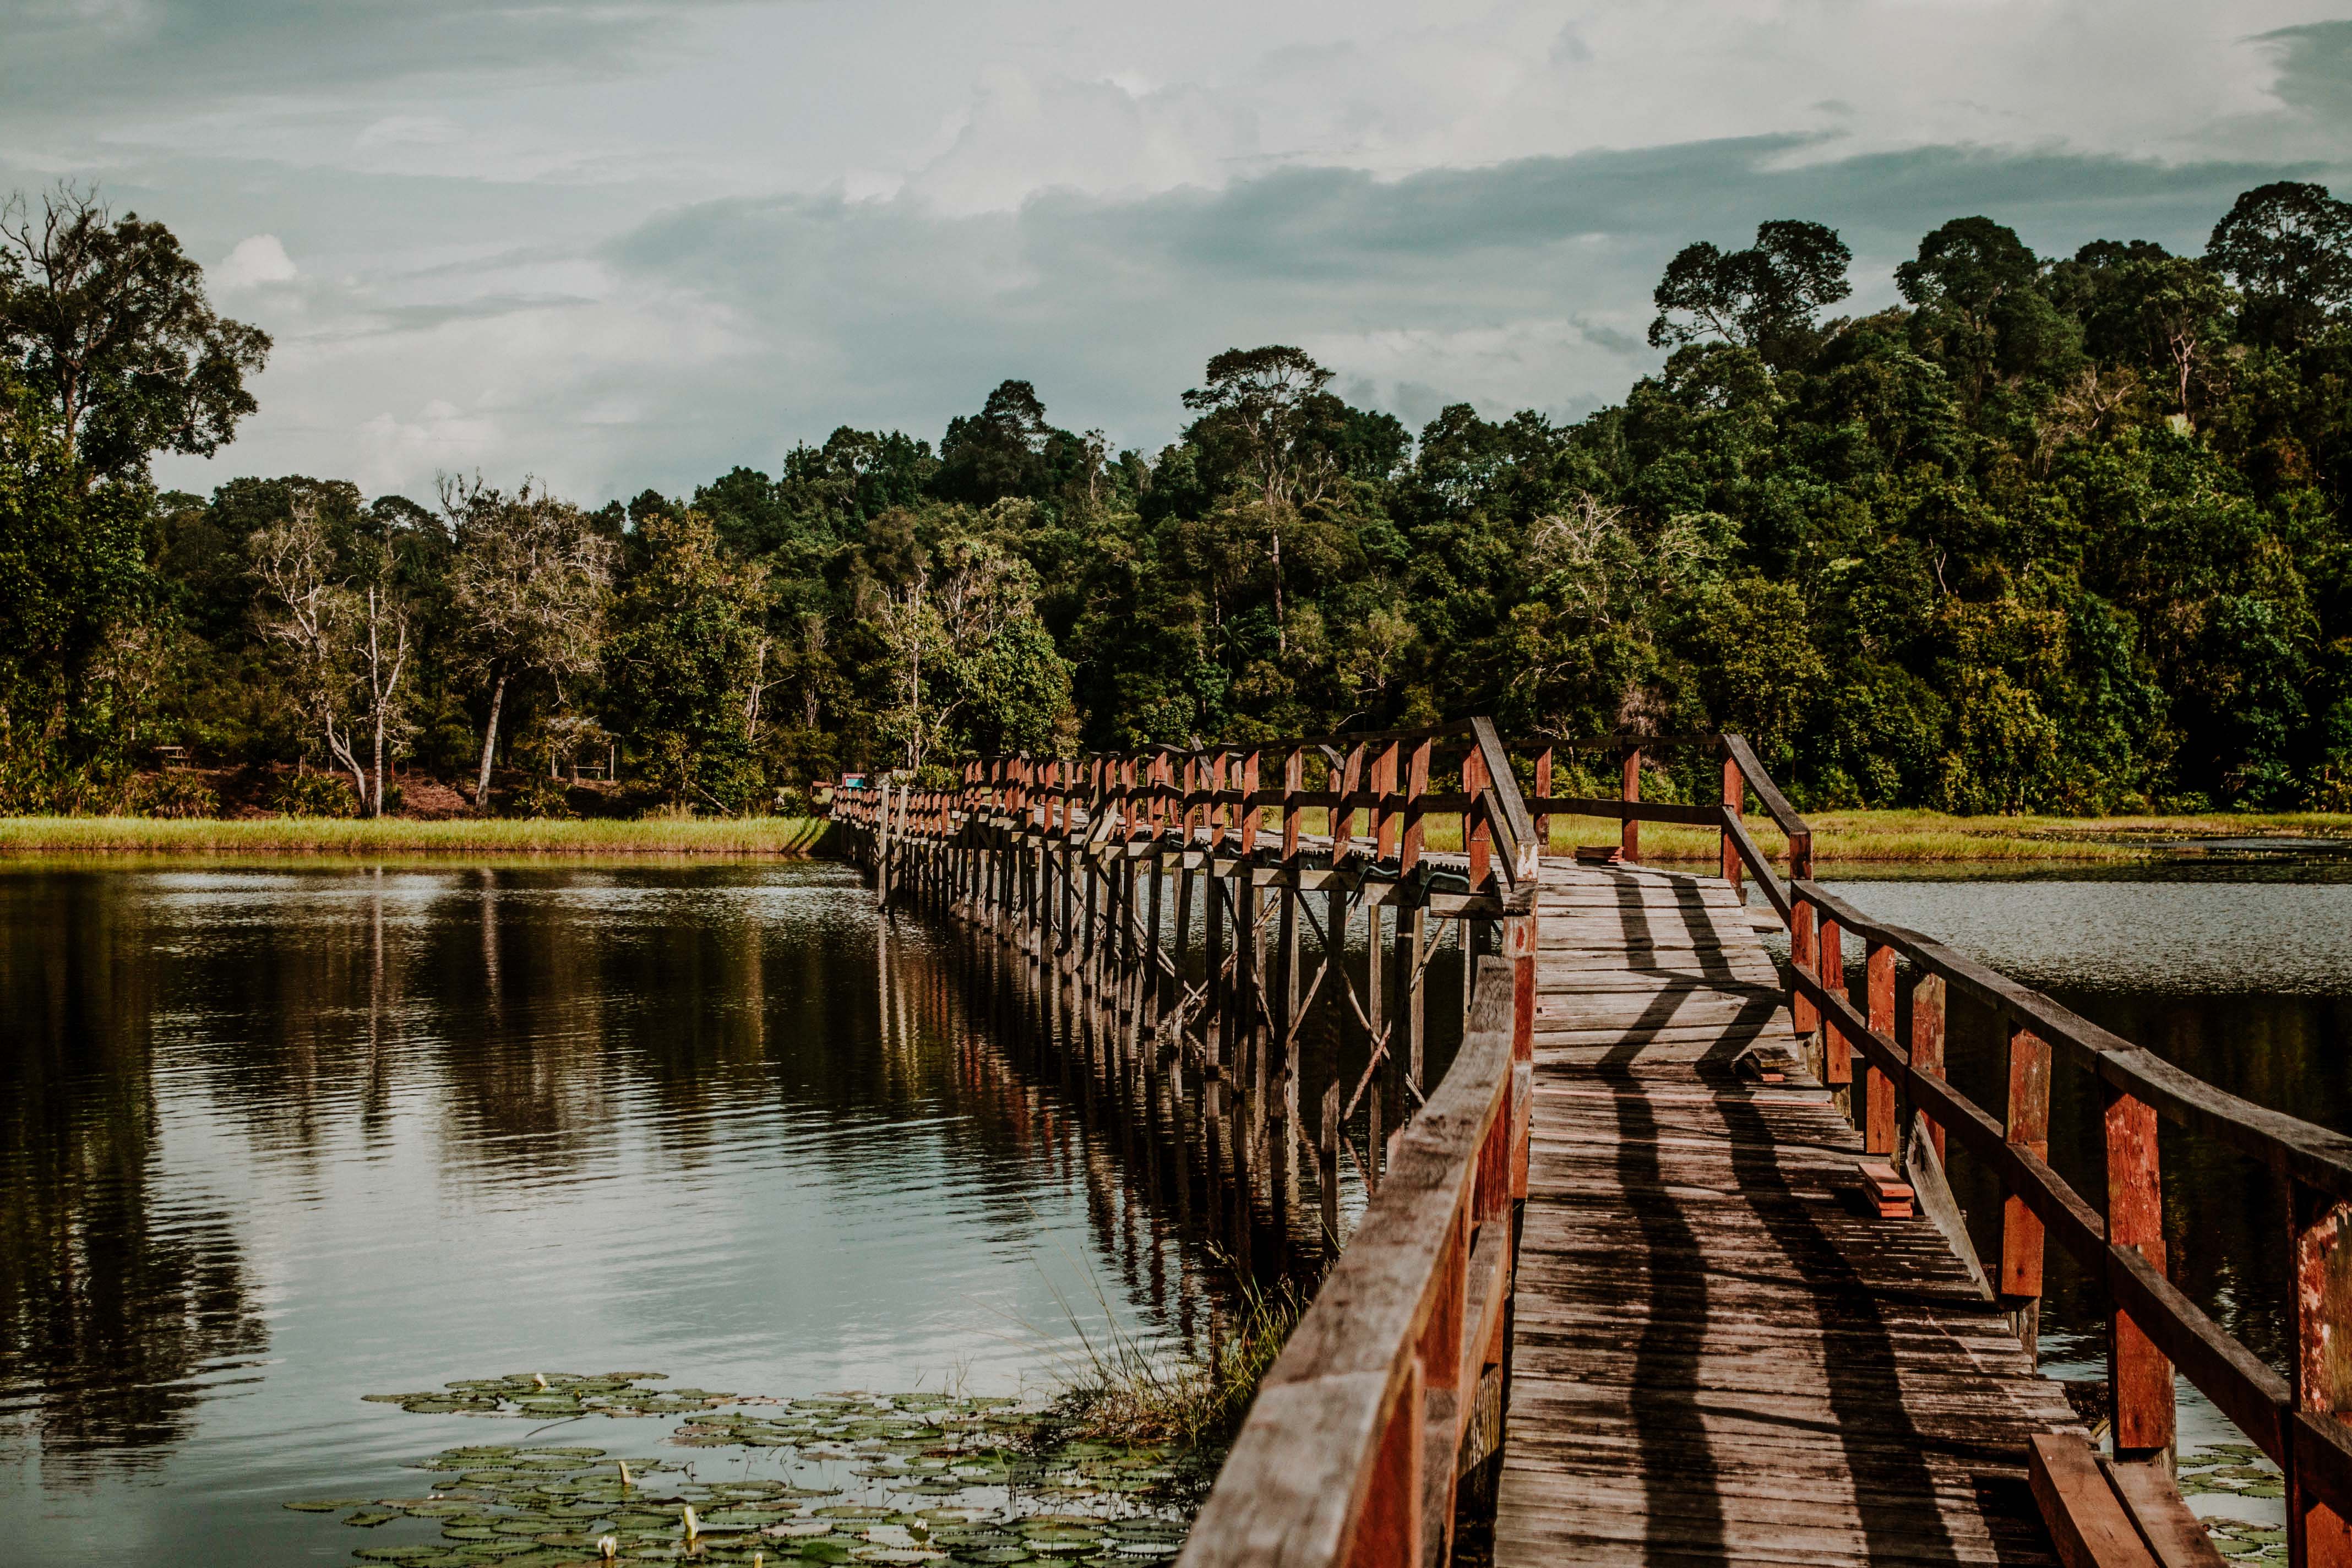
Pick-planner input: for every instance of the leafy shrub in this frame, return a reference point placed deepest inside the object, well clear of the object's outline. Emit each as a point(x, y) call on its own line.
point(541, 797)
point(305, 794)
point(173, 794)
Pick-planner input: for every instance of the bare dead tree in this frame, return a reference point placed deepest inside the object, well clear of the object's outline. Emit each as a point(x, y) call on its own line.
point(531, 581)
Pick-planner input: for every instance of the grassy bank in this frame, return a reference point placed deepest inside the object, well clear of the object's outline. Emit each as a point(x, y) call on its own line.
point(1850, 837)
point(1927, 835)
point(793, 836)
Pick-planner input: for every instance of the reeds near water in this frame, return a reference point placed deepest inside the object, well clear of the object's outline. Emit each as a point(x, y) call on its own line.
point(1122, 1393)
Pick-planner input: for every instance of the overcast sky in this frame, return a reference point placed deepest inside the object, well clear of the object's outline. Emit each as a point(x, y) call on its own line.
point(621, 245)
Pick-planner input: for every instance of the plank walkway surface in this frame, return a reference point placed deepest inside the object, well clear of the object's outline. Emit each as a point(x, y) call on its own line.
point(1716, 1358)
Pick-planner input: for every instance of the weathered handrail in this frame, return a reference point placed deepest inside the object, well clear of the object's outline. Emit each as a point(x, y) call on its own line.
point(2298, 1420)
point(1348, 1454)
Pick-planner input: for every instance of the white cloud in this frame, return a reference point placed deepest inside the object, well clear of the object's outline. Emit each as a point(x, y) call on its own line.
point(409, 130)
point(873, 213)
point(260, 260)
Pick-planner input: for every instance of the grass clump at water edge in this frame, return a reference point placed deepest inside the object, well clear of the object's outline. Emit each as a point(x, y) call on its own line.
point(1121, 1393)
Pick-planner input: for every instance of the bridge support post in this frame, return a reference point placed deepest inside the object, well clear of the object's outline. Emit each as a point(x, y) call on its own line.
point(1326, 1169)
point(2317, 1536)
point(1411, 951)
point(1735, 801)
point(2139, 1378)
point(1878, 1097)
point(1805, 958)
point(1218, 1024)
point(1629, 831)
point(1928, 1040)
point(1837, 1051)
point(2027, 1127)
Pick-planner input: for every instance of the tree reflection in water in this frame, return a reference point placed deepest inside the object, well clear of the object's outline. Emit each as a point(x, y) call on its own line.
point(115, 1306)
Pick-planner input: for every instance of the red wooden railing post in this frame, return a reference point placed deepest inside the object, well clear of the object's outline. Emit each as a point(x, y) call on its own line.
point(1477, 833)
point(1294, 780)
point(1805, 958)
point(2138, 1376)
point(1216, 809)
point(1928, 1040)
point(2027, 1126)
point(1520, 937)
point(1629, 831)
point(1837, 1051)
point(1350, 779)
point(1878, 1089)
point(1735, 801)
point(1249, 812)
point(2317, 1536)
point(1439, 1352)
point(1384, 818)
point(1388, 1532)
point(1416, 784)
point(1543, 792)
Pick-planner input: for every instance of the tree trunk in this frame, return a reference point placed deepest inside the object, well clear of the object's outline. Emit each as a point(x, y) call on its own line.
point(1281, 635)
point(489, 743)
point(375, 807)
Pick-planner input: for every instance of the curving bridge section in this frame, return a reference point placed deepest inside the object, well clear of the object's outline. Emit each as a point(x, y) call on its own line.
point(1639, 1277)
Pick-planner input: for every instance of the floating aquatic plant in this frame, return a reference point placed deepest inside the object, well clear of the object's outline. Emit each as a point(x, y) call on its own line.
point(2238, 1471)
point(851, 1478)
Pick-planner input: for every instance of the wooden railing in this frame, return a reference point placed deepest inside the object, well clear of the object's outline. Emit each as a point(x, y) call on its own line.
point(1048, 848)
point(2297, 1420)
point(1349, 1455)
point(1392, 1388)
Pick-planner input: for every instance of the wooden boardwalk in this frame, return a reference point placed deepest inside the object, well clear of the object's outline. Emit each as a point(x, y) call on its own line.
point(1716, 1357)
point(1715, 1350)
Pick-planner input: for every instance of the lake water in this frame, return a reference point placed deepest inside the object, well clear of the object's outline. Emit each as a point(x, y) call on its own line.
point(273, 1138)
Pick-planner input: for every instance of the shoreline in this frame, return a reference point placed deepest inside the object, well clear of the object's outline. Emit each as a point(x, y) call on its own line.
point(1925, 838)
point(1840, 837)
point(786, 837)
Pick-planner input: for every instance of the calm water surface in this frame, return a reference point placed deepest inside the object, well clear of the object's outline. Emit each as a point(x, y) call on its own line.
point(273, 1138)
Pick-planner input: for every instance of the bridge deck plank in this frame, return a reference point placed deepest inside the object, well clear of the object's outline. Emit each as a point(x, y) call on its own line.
point(1715, 1360)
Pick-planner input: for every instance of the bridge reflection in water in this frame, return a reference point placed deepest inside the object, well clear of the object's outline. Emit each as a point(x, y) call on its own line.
point(1639, 1278)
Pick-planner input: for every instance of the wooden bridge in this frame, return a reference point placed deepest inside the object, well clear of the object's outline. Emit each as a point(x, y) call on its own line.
point(1637, 1278)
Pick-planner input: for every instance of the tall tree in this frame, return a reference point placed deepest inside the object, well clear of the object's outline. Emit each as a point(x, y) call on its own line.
point(1267, 414)
point(683, 658)
point(998, 453)
point(344, 626)
point(529, 584)
point(1974, 285)
point(110, 320)
point(1765, 298)
point(2288, 247)
point(73, 581)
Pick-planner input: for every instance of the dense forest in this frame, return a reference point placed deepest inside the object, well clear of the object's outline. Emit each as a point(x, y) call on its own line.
point(2057, 534)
